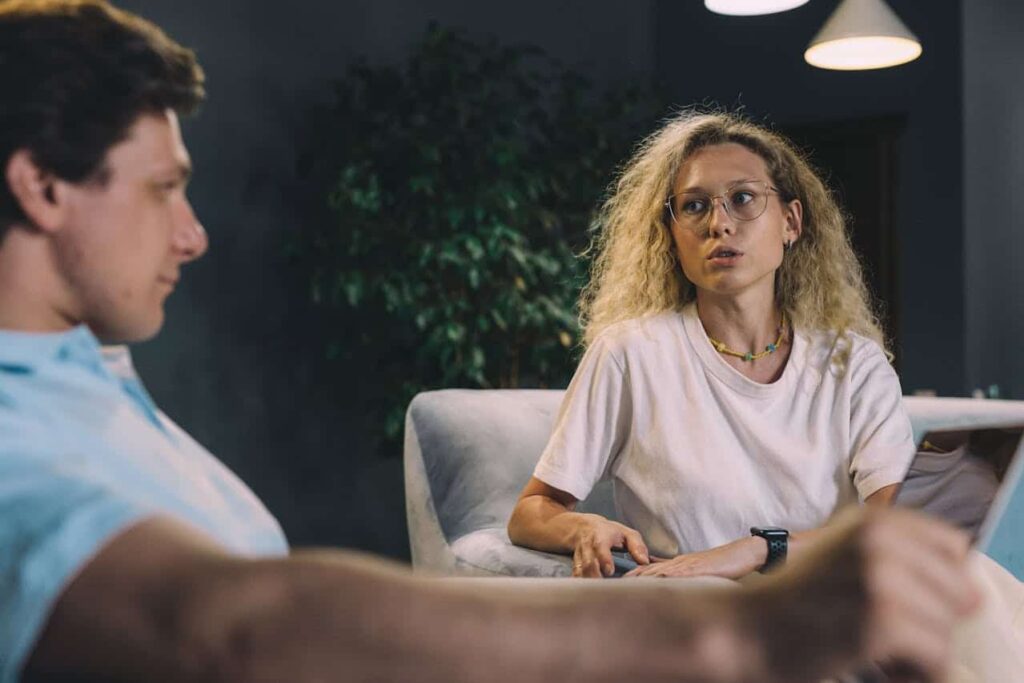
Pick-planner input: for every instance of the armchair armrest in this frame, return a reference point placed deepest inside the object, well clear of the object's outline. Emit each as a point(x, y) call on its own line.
point(489, 552)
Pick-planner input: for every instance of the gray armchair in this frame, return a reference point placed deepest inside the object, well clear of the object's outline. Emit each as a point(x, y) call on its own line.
point(468, 454)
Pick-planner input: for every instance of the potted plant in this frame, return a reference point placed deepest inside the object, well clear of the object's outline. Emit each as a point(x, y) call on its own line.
point(459, 189)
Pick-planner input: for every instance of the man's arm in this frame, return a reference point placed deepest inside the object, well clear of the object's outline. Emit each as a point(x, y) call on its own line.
point(160, 603)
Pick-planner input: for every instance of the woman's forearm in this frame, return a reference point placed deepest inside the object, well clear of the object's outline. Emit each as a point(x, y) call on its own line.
point(542, 523)
point(754, 550)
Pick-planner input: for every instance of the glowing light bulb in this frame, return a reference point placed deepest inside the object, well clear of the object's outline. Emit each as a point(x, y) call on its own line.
point(751, 7)
point(862, 34)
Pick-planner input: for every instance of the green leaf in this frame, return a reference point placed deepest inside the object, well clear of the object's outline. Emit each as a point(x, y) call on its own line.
point(499, 320)
point(454, 331)
point(452, 191)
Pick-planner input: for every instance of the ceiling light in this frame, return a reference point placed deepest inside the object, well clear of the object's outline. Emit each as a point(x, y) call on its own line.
point(862, 34)
point(751, 7)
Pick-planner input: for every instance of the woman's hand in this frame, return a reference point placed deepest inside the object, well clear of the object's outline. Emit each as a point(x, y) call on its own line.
point(592, 547)
point(731, 561)
point(545, 518)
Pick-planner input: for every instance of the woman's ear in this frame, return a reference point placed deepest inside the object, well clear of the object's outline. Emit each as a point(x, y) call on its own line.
point(794, 221)
point(35, 190)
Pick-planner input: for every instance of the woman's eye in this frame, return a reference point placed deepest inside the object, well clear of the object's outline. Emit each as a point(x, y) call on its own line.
point(694, 206)
point(742, 197)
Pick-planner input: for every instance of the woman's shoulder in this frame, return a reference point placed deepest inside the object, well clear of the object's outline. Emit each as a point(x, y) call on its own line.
point(855, 342)
point(842, 351)
point(635, 333)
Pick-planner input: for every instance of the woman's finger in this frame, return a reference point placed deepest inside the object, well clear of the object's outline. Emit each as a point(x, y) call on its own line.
point(584, 564)
point(603, 556)
point(645, 570)
point(636, 546)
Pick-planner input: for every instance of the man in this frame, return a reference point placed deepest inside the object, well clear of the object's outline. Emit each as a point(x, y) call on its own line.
point(128, 553)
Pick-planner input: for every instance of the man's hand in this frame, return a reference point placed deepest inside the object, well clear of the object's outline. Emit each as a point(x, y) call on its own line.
point(593, 543)
point(885, 586)
point(918, 589)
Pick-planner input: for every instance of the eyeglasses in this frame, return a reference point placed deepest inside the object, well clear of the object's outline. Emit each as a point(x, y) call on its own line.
point(743, 202)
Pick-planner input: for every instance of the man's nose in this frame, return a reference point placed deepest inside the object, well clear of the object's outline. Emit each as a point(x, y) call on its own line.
point(189, 235)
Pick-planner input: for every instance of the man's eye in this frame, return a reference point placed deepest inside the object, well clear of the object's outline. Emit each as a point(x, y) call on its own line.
point(168, 188)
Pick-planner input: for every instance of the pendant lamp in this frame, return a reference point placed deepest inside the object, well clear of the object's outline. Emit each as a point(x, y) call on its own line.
point(751, 7)
point(862, 34)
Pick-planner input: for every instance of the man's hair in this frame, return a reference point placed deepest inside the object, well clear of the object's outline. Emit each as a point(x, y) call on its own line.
point(75, 75)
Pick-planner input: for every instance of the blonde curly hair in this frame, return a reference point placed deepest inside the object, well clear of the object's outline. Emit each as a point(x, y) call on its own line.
point(635, 271)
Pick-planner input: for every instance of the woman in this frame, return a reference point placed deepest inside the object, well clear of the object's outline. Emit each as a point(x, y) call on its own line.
point(734, 377)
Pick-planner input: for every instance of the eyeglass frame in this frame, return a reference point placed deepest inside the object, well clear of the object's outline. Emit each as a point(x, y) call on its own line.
point(769, 188)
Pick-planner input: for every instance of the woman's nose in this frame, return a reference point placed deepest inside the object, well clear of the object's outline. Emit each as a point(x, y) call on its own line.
point(719, 220)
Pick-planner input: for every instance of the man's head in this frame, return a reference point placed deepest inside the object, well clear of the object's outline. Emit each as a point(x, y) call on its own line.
point(93, 162)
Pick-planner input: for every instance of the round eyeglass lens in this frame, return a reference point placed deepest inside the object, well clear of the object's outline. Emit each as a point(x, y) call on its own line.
point(743, 202)
point(746, 202)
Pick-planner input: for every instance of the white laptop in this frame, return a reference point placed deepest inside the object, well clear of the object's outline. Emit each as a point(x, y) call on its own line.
point(974, 479)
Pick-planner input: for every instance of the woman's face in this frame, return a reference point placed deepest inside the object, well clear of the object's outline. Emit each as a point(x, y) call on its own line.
point(721, 253)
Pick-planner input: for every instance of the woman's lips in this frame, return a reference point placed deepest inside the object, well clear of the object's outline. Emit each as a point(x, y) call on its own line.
point(725, 257)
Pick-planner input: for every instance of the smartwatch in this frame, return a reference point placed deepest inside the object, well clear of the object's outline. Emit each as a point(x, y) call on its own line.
point(777, 539)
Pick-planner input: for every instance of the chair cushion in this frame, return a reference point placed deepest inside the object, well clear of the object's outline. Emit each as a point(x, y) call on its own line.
point(490, 552)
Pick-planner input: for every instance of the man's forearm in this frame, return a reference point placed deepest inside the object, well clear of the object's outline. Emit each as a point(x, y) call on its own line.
point(161, 603)
point(319, 614)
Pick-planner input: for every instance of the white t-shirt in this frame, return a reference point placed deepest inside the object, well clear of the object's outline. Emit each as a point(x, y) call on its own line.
point(699, 453)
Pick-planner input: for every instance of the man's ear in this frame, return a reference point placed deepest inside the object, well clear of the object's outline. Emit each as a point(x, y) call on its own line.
point(36, 190)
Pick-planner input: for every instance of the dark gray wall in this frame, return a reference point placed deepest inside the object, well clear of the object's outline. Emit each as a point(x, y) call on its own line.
point(993, 46)
point(234, 364)
point(758, 62)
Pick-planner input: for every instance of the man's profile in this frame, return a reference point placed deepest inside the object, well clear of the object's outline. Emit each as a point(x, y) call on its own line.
point(128, 552)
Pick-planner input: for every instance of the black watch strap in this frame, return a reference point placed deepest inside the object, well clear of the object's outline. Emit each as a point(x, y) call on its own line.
point(777, 539)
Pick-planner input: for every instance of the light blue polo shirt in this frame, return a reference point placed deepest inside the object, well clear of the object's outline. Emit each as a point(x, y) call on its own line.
point(84, 454)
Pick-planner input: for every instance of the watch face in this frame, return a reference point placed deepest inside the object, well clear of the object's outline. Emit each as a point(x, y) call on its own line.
point(778, 545)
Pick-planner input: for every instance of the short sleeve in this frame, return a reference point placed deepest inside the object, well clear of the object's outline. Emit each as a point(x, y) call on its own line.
point(880, 432)
point(592, 424)
point(52, 523)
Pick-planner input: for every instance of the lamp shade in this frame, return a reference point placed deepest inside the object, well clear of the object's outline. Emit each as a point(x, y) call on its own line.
point(751, 7)
point(862, 34)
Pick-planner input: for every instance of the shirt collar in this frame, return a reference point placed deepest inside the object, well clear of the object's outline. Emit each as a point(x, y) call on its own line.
point(27, 351)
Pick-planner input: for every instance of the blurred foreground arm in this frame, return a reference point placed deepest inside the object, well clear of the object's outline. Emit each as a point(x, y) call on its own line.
point(162, 604)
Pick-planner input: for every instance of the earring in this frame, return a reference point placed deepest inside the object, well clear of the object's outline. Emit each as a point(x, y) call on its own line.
point(787, 245)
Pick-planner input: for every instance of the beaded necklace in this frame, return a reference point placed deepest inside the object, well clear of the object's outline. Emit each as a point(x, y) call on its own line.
point(750, 355)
